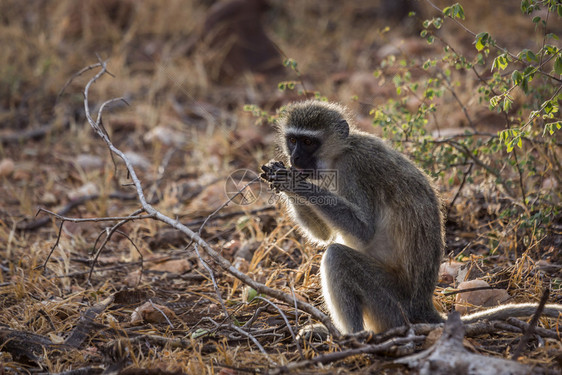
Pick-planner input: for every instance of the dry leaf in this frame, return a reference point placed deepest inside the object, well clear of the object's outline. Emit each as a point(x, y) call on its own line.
point(448, 271)
point(227, 371)
point(432, 338)
point(241, 264)
point(151, 313)
point(55, 339)
point(211, 196)
point(178, 266)
point(133, 278)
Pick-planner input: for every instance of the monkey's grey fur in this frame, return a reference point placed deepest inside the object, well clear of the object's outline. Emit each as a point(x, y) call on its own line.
point(382, 221)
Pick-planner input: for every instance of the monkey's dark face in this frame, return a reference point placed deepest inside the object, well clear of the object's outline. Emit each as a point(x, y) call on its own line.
point(302, 149)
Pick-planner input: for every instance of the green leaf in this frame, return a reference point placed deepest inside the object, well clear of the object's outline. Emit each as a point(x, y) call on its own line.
point(506, 105)
point(550, 49)
point(199, 332)
point(558, 65)
point(480, 59)
point(482, 40)
point(252, 293)
point(454, 11)
point(495, 100)
point(525, 6)
point(500, 62)
point(516, 77)
point(527, 55)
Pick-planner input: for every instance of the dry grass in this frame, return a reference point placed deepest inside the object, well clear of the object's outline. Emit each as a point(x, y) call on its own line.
point(147, 44)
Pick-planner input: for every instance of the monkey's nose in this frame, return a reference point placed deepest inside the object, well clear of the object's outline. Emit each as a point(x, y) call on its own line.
point(295, 161)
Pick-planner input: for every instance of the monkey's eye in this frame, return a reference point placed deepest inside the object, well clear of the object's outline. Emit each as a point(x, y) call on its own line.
point(307, 141)
point(293, 140)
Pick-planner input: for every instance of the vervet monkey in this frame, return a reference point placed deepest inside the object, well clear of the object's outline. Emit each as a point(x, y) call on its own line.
point(380, 218)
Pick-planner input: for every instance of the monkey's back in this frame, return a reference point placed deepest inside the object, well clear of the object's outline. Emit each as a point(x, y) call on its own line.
point(406, 206)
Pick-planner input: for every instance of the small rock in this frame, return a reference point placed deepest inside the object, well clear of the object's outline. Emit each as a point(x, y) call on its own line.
point(88, 188)
point(48, 198)
point(387, 50)
point(7, 167)
point(548, 184)
point(89, 162)
point(137, 160)
point(469, 301)
point(164, 135)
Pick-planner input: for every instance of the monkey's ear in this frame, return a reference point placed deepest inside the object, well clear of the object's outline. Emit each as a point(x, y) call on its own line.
point(342, 128)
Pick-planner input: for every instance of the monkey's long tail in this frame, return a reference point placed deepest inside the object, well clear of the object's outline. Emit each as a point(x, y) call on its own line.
point(516, 309)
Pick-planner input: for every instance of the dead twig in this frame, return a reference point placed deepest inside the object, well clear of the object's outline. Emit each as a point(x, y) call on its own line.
point(543, 332)
point(338, 356)
point(196, 248)
point(448, 355)
point(67, 208)
point(151, 212)
point(109, 232)
point(286, 323)
point(532, 325)
point(217, 258)
point(464, 177)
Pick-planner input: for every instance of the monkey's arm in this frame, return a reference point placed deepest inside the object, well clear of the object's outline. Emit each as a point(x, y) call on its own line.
point(331, 208)
point(309, 220)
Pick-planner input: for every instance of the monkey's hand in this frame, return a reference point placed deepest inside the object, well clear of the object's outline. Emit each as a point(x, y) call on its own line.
point(280, 178)
point(276, 174)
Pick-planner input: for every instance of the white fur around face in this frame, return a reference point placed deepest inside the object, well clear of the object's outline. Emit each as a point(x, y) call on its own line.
point(304, 132)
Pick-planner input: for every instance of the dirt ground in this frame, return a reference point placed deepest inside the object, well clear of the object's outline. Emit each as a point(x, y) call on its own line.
point(139, 297)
